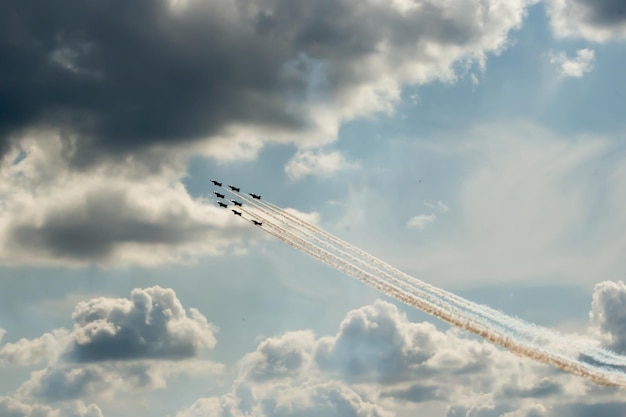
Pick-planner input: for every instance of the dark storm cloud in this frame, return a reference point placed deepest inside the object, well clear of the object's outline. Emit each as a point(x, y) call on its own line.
point(122, 75)
point(130, 73)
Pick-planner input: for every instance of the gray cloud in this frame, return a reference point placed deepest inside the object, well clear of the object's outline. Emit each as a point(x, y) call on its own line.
point(112, 215)
point(120, 76)
point(604, 12)
point(279, 357)
point(152, 324)
point(608, 313)
point(117, 345)
point(596, 20)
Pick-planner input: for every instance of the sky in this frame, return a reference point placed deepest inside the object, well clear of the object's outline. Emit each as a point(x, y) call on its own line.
point(478, 145)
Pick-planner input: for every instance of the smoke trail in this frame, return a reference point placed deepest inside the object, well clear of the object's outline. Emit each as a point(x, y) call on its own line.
point(447, 312)
point(531, 332)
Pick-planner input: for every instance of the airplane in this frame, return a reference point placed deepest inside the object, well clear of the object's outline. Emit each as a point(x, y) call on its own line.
point(222, 204)
point(218, 194)
point(257, 223)
point(235, 202)
point(237, 213)
point(258, 197)
point(233, 188)
point(219, 184)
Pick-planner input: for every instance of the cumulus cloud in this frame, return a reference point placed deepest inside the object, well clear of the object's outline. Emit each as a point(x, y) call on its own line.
point(33, 351)
point(332, 399)
point(279, 357)
point(120, 214)
point(12, 407)
point(151, 324)
point(596, 20)
point(317, 163)
point(608, 313)
point(2, 334)
point(117, 344)
point(266, 69)
point(379, 362)
point(421, 221)
point(575, 67)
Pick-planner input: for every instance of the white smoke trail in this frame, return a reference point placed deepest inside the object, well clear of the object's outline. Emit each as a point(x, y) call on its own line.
point(522, 329)
point(449, 314)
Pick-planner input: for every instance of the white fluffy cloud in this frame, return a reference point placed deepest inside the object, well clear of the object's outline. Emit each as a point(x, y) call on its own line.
point(575, 67)
point(12, 407)
point(379, 362)
point(116, 345)
point(596, 20)
point(317, 163)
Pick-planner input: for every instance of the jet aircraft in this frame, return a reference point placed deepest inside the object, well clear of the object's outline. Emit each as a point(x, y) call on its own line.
point(233, 188)
point(218, 194)
point(258, 197)
point(219, 184)
point(237, 213)
point(223, 205)
point(235, 202)
point(257, 223)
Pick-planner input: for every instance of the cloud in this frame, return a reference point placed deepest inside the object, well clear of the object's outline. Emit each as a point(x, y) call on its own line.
point(529, 204)
point(62, 381)
point(117, 345)
point(151, 324)
point(321, 399)
point(2, 334)
point(261, 69)
point(317, 163)
point(379, 362)
point(595, 20)
point(112, 215)
point(574, 67)
point(608, 313)
point(12, 407)
point(279, 357)
point(33, 351)
point(421, 221)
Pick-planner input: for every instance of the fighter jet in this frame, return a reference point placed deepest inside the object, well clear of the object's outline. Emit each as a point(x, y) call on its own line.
point(219, 184)
point(235, 202)
point(218, 194)
point(223, 205)
point(237, 213)
point(257, 223)
point(233, 188)
point(258, 197)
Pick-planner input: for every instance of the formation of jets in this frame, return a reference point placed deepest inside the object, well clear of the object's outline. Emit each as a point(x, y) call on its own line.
point(235, 202)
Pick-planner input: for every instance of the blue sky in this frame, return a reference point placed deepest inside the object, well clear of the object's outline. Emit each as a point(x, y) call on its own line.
point(476, 145)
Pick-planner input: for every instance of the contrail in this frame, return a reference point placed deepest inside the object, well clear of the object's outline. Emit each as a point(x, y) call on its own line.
point(519, 337)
